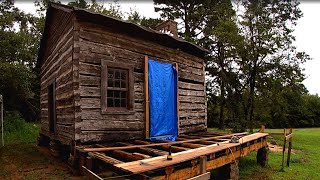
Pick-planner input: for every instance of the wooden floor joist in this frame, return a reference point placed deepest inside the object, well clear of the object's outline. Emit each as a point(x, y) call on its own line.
point(163, 146)
point(160, 144)
point(147, 151)
point(149, 159)
point(105, 158)
point(160, 162)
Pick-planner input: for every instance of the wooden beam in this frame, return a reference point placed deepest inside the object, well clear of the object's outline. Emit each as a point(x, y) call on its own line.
point(187, 145)
point(163, 146)
point(201, 142)
point(90, 175)
point(289, 136)
point(119, 154)
point(214, 163)
point(161, 161)
point(104, 158)
point(141, 155)
point(159, 144)
point(205, 176)
point(148, 151)
point(146, 97)
point(178, 103)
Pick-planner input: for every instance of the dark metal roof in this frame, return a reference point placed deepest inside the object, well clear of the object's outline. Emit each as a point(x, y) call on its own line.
point(121, 26)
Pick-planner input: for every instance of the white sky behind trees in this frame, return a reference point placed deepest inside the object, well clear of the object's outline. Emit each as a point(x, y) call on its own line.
point(306, 32)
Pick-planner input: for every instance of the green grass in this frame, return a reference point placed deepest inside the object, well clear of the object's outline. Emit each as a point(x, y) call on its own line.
point(28, 133)
point(20, 158)
point(305, 163)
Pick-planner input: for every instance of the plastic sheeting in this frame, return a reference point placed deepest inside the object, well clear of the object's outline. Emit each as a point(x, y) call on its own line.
point(162, 79)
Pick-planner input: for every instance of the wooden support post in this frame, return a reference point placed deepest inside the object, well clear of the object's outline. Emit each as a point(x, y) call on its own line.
point(146, 96)
point(89, 163)
point(262, 128)
point(289, 148)
point(284, 148)
point(262, 156)
point(203, 164)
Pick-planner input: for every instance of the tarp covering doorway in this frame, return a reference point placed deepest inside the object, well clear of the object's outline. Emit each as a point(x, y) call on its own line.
point(162, 78)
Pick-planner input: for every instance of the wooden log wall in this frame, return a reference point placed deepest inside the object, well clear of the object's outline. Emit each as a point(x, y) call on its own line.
point(57, 67)
point(98, 44)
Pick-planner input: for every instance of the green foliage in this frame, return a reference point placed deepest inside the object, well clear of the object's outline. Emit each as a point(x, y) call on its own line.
point(16, 130)
point(96, 6)
point(135, 17)
point(254, 69)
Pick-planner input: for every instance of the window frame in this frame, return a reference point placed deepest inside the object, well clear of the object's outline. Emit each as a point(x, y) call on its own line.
point(104, 88)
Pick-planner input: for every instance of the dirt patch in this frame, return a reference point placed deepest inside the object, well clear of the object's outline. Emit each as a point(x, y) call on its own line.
point(28, 161)
point(277, 148)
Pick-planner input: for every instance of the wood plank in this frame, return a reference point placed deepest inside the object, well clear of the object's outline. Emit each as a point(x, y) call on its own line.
point(147, 144)
point(213, 163)
point(159, 162)
point(178, 103)
point(90, 175)
point(204, 176)
point(146, 96)
point(105, 158)
point(163, 146)
point(149, 151)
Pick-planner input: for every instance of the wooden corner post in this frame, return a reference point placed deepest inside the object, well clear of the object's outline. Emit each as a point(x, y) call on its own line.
point(178, 103)
point(146, 96)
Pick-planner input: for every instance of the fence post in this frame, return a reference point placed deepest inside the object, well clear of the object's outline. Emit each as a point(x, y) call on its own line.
point(289, 147)
point(284, 147)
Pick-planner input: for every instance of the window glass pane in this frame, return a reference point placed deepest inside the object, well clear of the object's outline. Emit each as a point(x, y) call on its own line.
point(117, 94)
point(110, 83)
point(117, 103)
point(123, 102)
point(123, 94)
point(124, 75)
point(110, 93)
point(123, 84)
point(110, 102)
point(117, 72)
point(117, 83)
point(110, 73)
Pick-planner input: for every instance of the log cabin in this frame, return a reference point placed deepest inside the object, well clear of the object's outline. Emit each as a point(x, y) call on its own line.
point(95, 79)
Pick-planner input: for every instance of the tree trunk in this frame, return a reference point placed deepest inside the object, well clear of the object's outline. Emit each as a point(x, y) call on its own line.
point(251, 95)
point(222, 105)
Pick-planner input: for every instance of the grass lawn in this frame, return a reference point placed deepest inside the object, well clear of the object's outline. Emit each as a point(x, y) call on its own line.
point(305, 162)
point(22, 159)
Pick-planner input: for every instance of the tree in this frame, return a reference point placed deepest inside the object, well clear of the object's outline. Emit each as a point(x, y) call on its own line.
point(220, 37)
point(191, 14)
point(267, 28)
point(135, 17)
point(113, 10)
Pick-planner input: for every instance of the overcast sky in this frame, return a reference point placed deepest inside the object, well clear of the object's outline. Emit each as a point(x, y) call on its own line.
point(307, 33)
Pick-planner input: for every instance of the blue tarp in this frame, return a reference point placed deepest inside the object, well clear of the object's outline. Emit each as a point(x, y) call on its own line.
point(162, 79)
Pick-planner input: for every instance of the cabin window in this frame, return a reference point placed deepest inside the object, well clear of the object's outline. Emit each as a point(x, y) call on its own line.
point(117, 88)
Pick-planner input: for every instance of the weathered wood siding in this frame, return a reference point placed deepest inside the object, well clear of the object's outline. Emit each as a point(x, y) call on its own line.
point(57, 67)
point(99, 43)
